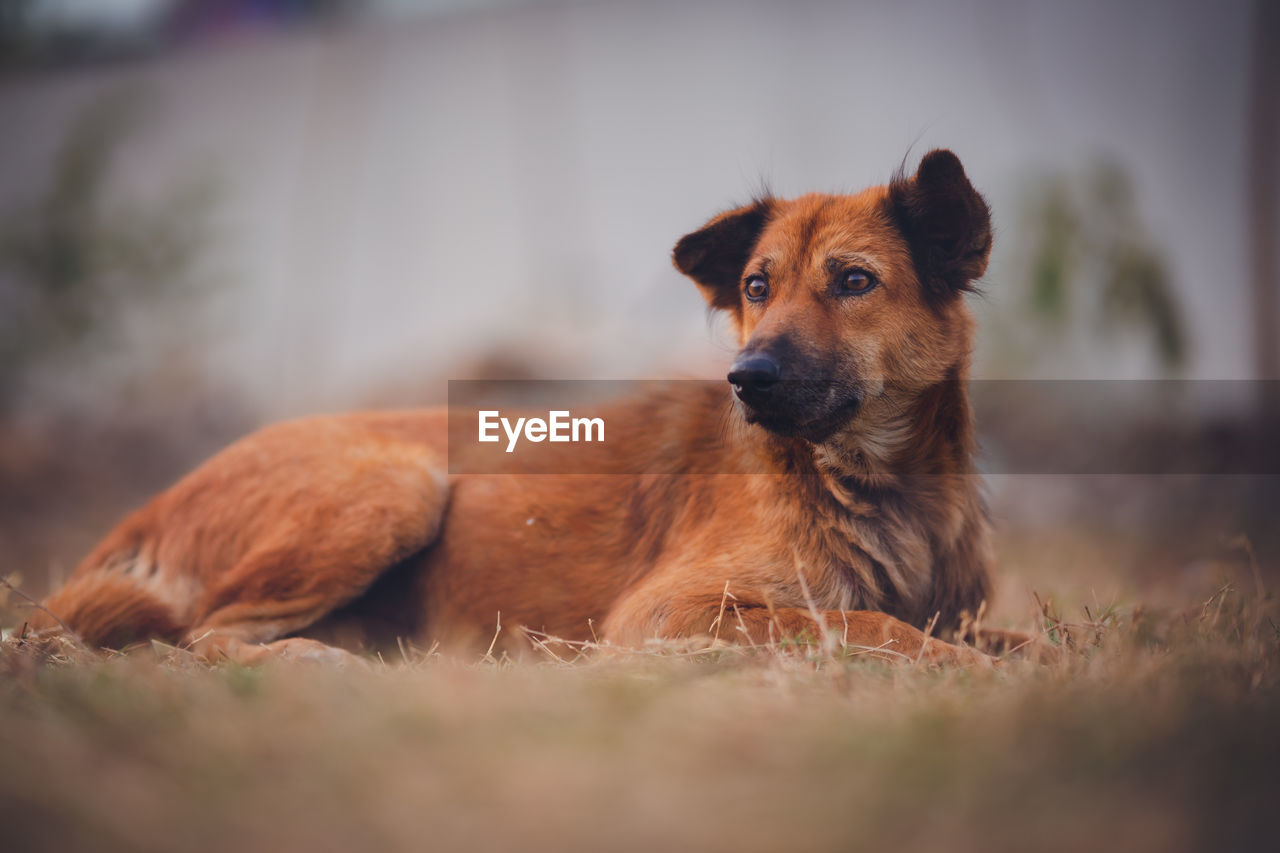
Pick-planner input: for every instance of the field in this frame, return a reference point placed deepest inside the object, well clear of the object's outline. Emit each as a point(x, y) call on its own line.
point(1153, 731)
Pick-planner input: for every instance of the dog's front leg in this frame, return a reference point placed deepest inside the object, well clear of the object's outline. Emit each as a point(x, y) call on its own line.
point(857, 631)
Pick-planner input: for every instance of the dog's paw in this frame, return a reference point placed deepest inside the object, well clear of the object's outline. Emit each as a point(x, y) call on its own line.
point(1017, 645)
point(300, 649)
point(291, 649)
point(948, 654)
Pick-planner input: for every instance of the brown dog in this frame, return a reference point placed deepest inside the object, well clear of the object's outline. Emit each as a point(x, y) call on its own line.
point(832, 483)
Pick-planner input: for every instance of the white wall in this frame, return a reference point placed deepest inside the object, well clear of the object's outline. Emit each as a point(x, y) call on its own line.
point(402, 198)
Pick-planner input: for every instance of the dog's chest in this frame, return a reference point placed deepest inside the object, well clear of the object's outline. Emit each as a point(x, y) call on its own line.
point(878, 553)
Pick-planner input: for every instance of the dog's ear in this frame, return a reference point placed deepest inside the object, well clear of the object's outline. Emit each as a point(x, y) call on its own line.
point(946, 223)
point(715, 255)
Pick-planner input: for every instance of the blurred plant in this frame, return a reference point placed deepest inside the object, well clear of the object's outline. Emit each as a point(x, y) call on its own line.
point(1090, 233)
point(72, 264)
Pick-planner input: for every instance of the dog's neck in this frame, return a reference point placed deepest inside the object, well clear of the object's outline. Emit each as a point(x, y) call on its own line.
point(902, 433)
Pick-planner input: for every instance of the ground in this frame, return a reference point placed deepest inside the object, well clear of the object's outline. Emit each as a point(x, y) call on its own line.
point(1153, 731)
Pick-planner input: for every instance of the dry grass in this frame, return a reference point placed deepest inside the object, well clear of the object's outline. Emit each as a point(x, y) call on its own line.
point(1153, 732)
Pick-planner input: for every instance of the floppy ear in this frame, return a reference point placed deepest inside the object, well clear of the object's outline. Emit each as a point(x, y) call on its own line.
point(715, 255)
point(946, 223)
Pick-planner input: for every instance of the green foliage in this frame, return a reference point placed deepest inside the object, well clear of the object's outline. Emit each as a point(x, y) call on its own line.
point(72, 261)
point(1093, 263)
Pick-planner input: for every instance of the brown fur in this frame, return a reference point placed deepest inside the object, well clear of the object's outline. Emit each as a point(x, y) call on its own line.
point(858, 503)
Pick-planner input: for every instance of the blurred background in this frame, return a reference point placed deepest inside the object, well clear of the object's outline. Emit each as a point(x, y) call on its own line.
point(217, 213)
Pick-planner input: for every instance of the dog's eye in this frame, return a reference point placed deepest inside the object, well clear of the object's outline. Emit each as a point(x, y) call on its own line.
point(757, 289)
point(855, 282)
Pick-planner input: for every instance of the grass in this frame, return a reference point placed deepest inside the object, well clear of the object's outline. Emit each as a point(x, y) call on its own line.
point(1152, 732)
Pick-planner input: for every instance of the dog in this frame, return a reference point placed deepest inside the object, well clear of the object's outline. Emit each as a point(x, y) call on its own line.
point(828, 489)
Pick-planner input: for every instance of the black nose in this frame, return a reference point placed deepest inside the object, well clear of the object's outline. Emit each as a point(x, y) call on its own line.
point(754, 373)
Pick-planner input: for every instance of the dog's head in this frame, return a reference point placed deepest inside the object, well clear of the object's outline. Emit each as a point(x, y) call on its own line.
point(838, 298)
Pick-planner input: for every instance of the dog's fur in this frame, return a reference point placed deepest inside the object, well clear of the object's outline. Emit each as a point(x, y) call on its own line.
point(860, 507)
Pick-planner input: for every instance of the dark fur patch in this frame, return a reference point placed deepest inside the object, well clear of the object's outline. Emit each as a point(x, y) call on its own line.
point(946, 222)
point(714, 256)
